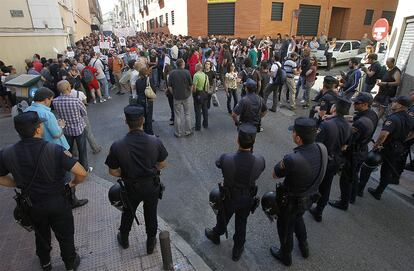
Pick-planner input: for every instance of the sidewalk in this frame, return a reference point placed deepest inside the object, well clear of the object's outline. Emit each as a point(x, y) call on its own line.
point(405, 189)
point(96, 225)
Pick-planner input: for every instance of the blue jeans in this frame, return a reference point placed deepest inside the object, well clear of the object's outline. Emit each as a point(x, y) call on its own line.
point(82, 149)
point(200, 108)
point(300, 84)
point(154, 77)
point(103, 83)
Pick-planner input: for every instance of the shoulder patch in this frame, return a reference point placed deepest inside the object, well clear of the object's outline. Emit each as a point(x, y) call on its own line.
point(323, 102)
point(388, 123)
point(318, 130)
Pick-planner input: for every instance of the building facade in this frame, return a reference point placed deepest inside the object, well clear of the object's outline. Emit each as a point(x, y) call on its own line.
point(41, 26)
point(343, 19)
point(401, 44)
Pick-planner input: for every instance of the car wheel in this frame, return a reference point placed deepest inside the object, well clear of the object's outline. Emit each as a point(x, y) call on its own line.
point(333, 63)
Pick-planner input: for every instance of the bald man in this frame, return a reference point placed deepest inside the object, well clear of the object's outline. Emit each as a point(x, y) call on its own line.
point(72, 110)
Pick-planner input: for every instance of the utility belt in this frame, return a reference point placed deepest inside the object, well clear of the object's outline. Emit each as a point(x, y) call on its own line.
point(137, 183)
point(285, 199)
point(231, 192)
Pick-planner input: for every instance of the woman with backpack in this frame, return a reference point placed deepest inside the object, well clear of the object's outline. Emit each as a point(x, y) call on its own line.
point(89, 76)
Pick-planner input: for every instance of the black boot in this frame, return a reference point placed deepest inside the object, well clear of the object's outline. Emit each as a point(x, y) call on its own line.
point(317, 215)
point(304, 249)
point(151, 241)
point(212, 236)
point(75, 201)
point(339, 204)
point(285, 259)
point(123, 240)
point(374, 193)
point(237, 252)
point(74, 265)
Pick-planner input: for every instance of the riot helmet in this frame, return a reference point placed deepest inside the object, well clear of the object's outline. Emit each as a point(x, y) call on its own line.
point(373, 160)
point(269, 205)
point(115, 197)
point(216, 199)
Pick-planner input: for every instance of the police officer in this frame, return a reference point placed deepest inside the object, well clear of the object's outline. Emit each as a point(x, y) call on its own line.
point(240, 171)
point(303, 171)
point(391, 142)
point(363, 127)
point(325, 99)
point(38, 168)
point(251, 108)
point(334, 133)
point(137, 159)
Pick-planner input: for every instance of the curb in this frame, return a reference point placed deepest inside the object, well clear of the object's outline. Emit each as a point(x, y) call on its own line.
point(193, 258)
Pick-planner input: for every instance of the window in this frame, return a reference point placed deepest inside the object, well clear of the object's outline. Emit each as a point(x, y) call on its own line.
point(166, 18)
point(161, 21)
point(355, 45)
point(369, 13)
point(172, 18)
point(346, 47)
point(277, 11)
point(221, 19)
point(389, 15)
point(152, 24)
point(308, 20)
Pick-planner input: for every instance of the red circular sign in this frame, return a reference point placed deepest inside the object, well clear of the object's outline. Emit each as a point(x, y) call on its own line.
point(380, 29)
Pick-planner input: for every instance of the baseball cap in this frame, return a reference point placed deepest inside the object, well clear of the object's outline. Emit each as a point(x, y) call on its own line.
point(402, 100)
point(303, 125)
point(250, 83)
point(363, 97)
point(134, 112)
point(26, 123)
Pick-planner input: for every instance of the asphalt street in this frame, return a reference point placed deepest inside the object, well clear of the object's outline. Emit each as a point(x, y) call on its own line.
point(371, 235)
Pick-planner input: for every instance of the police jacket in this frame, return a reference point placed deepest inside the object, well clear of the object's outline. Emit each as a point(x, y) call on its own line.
point(334, 133)
point(300, 169)
point(241, 169)
point(20, 160)
point(250, 108)
point(399, 125)
point(137, 155)
point(362, 130)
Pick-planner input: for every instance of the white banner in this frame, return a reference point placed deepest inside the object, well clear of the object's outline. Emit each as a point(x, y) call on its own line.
point(124, 32)
point(104, 45)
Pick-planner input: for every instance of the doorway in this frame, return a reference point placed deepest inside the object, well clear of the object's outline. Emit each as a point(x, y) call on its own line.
point(339, 18)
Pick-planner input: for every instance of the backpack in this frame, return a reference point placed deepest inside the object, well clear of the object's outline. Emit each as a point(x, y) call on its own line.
point(87, 75)
point(280, 77)
point(250, 75)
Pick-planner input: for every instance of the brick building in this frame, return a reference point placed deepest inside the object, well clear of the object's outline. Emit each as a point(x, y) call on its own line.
point(343, 19)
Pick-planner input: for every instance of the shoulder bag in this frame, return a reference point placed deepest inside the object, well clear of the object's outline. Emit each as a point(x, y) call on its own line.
point(149, 92)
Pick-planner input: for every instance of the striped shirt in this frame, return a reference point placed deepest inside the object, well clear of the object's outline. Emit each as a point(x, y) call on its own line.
point(72, 110)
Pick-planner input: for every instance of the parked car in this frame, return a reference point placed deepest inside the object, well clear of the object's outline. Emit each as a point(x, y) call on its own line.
point(344, 50)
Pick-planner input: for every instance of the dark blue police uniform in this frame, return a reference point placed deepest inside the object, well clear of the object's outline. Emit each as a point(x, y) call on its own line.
point(325, 100)
point(363, 128)
point(395, 150)
point(137, 155)
point(240, 172)
point(250, 107)
point(334, 133)
point(301, 170)
point(51, 209)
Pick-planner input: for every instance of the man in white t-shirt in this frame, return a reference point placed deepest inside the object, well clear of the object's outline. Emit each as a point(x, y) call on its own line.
point(89, 135)
point(97, 63)
point(273, 87)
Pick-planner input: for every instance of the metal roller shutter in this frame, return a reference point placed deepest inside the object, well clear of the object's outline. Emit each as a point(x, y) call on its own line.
point(308, 20)
point(406, 43)
point(221, 19)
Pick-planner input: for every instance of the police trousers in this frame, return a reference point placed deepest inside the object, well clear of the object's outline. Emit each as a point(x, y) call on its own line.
point(289, 221)
point(53, 212)
point(148, 193)
point(325, 186)
point(240, 206)
point(349, 179)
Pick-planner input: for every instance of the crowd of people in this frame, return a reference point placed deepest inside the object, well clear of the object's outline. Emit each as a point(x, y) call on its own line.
point(189, 71)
